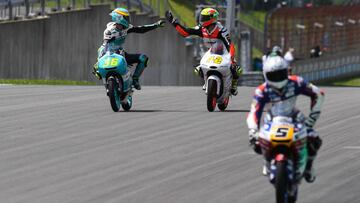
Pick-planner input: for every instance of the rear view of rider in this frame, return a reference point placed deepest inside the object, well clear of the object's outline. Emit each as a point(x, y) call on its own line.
point(211, 31)
point(281, 91)
point(114, 38)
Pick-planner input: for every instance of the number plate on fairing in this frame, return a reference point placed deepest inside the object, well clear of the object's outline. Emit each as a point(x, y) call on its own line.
point(215, 59)
point(282, 133)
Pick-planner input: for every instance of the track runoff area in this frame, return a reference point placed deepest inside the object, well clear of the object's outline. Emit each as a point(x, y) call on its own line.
point(65, 144)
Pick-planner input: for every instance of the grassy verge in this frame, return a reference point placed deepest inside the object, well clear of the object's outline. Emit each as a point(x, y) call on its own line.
point(255, 19)
point(256, 53)
point(184, 10)
point(349, 82)
point(44, 82)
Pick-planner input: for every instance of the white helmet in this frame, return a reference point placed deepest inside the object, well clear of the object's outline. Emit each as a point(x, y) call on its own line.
point(277, 49)
point(275, 71)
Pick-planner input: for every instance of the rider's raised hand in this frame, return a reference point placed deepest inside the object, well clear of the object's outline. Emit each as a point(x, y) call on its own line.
point(169, 16)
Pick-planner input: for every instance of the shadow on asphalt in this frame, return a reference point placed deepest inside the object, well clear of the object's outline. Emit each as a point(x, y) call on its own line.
point(155, 111)
point(184, 111)
point(235, 111)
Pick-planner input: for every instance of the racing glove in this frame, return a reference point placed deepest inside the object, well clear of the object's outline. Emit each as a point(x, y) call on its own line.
point(254, 140)
point(169, 16)
point(311, 119)
point(108, 35)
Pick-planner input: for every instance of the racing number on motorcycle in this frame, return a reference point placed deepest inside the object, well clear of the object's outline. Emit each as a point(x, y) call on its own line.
point(282, 132)
point(111, 62)
point(215, 59)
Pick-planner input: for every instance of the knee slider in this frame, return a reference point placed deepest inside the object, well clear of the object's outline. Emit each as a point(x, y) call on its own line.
point(144, 59)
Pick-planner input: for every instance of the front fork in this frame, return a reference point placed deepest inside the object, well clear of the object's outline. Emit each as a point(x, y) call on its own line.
point(290, 170)
point(106, 84)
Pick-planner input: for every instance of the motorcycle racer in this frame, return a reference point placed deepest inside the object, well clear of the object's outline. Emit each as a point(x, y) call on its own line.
point(210, 30)
point(281, 91)
point(115, 35)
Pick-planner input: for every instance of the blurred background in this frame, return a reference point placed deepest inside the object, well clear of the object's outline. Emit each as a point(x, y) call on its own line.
point(58, 39)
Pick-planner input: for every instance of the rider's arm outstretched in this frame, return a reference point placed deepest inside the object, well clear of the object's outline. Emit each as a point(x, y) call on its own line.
point(182, 30)
point(114, 38)
point(221, 34)
point(145, 28)
point(210, 28)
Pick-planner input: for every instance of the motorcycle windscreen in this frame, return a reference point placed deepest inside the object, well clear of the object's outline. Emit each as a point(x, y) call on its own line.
point(218, 48)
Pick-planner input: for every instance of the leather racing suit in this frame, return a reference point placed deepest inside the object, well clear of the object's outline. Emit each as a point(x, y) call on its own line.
point(283, 104)
point(219, 32)
point(115, 38)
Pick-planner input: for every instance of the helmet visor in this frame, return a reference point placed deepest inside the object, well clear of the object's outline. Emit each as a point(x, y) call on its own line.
point(127, 18)
point(205, 18)
point(277, 76)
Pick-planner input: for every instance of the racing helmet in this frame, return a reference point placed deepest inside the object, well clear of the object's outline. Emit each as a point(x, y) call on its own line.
point(275, 72)
point(121, 16)
point(208, 16)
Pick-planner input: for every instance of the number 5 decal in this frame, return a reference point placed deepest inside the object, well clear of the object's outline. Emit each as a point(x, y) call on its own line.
point(282, 132)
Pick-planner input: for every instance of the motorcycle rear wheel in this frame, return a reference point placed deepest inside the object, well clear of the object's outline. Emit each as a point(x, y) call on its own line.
point(114, 94)
point(211, 96)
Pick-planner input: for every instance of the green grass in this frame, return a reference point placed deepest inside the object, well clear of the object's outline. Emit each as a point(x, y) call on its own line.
point(347, 82)
point(184, 10)
point(255, 19)
point(44, 82)
point(256, 53)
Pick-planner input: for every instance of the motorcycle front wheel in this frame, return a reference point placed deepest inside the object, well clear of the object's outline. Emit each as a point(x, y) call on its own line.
point(114, 94)
point(211, 95)
point(127, 106)
point(224, 105)
point(281, 182)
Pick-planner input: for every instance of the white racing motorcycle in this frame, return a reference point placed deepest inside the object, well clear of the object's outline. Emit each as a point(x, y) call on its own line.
point(215, 69)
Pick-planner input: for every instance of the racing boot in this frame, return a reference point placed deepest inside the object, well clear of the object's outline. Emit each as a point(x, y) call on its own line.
point(314, 144)
point(236, 71)
point(233, 89)
point(309, 173)
point(136, 83)
point(139, 70)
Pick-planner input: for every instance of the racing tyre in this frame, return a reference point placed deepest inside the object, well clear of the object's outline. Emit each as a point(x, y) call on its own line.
point(127, 106)
point(224, 105)
point(211, 96)
point(114, 94)
point(281, 182)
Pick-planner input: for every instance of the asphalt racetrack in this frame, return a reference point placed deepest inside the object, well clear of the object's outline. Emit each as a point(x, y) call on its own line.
point(65, 144)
